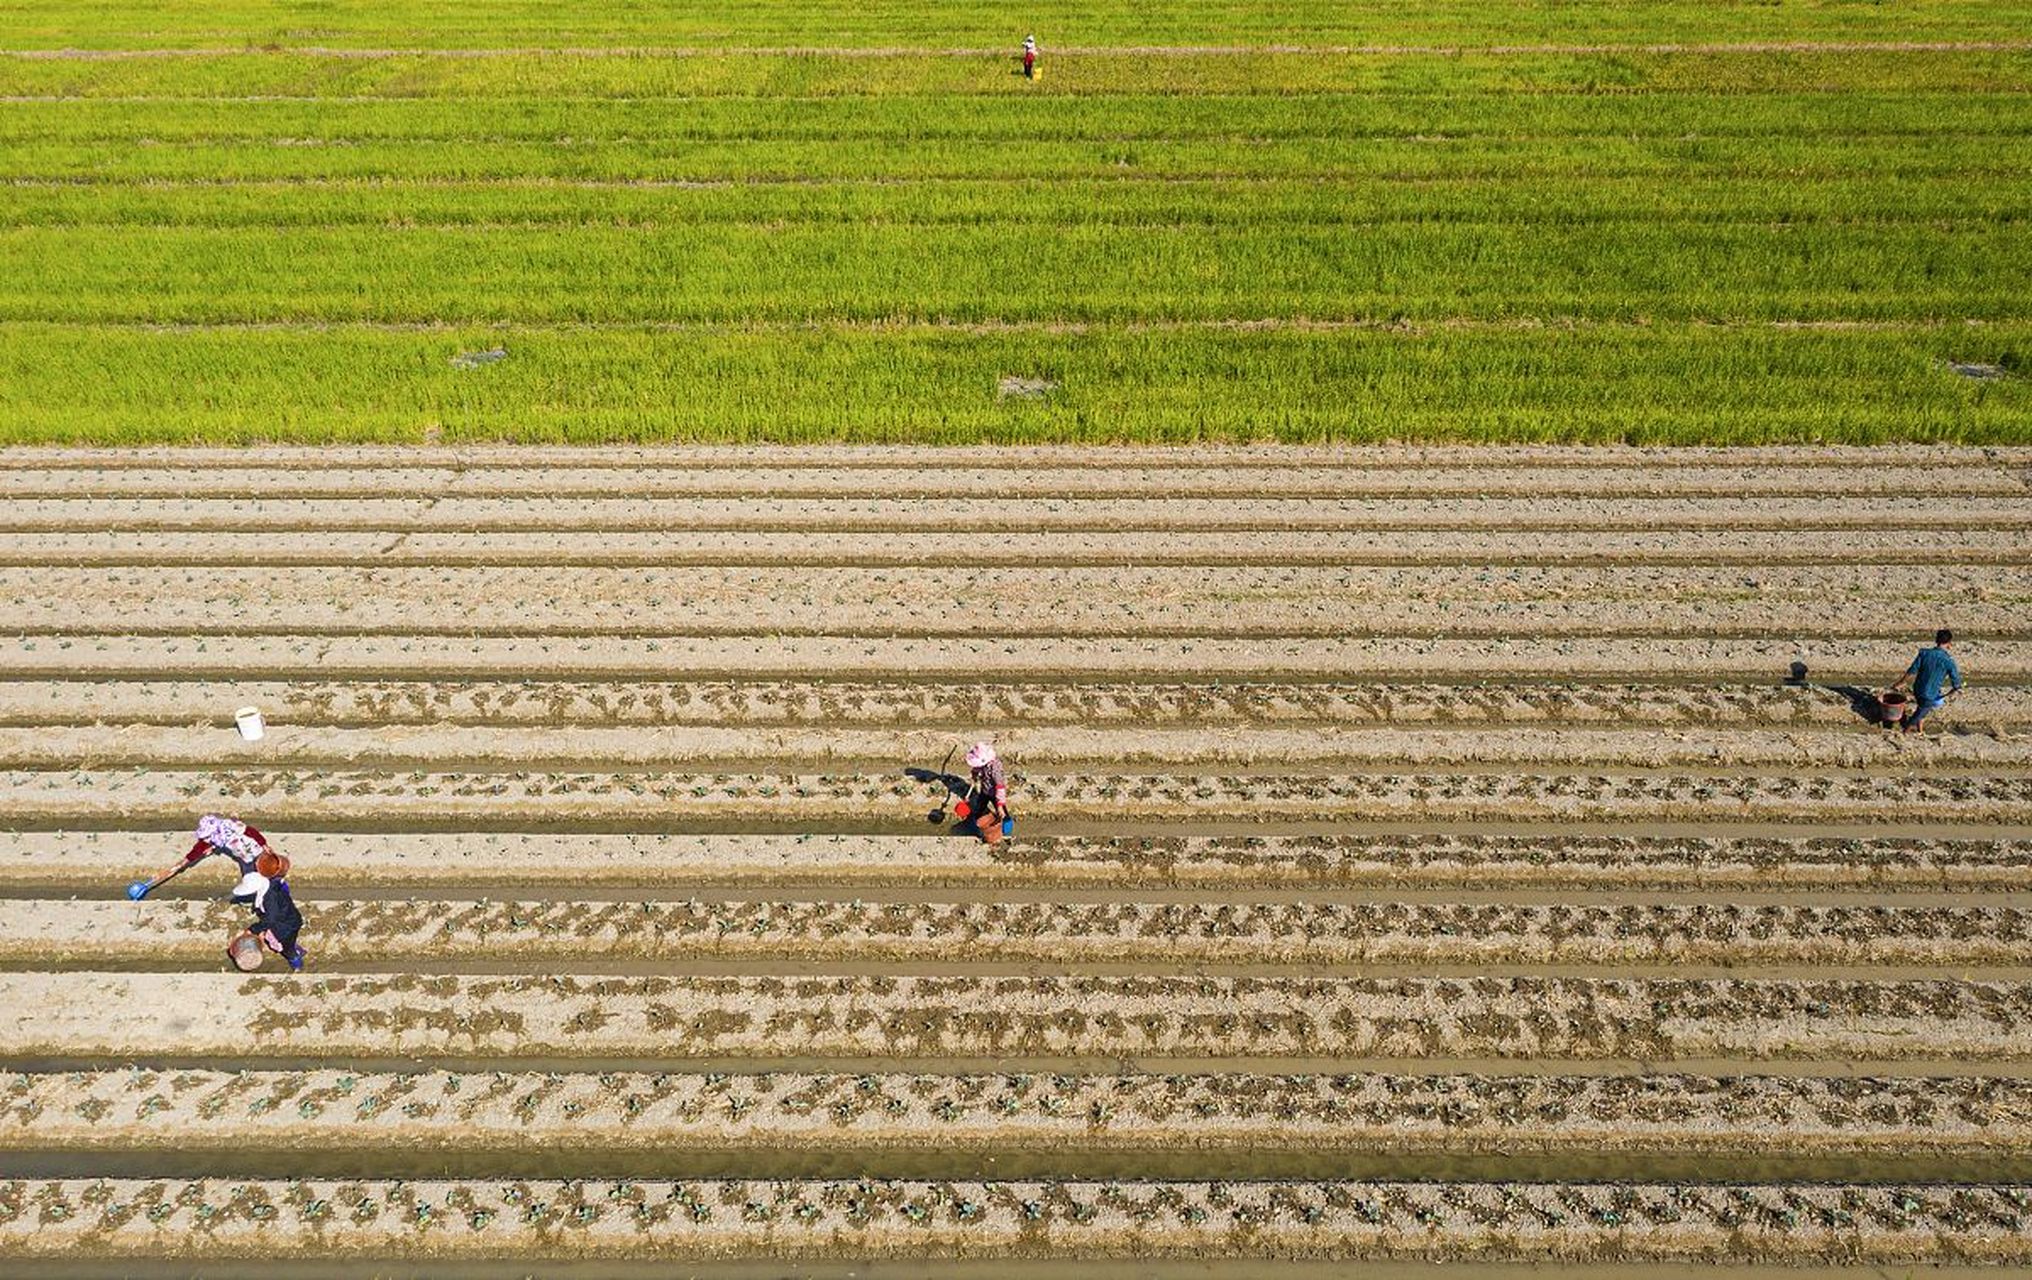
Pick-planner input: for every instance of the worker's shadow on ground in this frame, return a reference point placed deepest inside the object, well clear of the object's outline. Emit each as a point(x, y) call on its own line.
point(956, 788)
point(1862, 702)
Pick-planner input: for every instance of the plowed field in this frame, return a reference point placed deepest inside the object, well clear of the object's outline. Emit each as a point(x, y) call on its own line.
point(1481, 857)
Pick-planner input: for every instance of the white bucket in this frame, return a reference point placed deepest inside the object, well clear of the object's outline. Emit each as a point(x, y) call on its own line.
point(249, 720)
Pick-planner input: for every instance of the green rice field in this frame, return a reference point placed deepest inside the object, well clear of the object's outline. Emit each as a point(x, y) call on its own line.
point(1668, 222)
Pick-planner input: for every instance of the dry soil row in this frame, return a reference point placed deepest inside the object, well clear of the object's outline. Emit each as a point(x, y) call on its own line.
point(192, 653)
point(1429, 1221)
point(97, 862)
point(658, 799)
point(1044, 751)
point(341, 1109)
point(1212, 705)
point(1634, 602)
point(1859, 552)
point(74, 1015)
point(1155, 936)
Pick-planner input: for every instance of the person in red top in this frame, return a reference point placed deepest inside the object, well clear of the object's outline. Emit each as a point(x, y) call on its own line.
point(1029, 57)
point(230, 838)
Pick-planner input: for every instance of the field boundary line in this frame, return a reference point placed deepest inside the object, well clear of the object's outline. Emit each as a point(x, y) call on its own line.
point(861, 457)
point(1009, 52)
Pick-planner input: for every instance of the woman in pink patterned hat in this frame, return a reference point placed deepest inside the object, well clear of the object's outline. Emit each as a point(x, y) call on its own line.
point(988, 796)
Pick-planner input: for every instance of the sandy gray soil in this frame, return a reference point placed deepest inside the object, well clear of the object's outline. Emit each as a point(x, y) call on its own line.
point(1390, 812)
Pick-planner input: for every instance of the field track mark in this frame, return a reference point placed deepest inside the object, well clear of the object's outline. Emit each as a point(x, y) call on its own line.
point(43, 860)
point(1162, 937)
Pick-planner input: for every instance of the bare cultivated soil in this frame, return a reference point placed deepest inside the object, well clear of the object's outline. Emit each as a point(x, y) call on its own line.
point(1422, 855)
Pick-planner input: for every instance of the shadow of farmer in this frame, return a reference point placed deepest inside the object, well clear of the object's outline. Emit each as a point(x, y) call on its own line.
point(954, 787)
point(1863, 702)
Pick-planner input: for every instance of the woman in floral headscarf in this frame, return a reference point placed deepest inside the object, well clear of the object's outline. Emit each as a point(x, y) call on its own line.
point(230, 838)
point(988, 792)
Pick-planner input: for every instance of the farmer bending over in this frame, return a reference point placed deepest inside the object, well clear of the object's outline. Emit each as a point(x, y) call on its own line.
point(1927, 671)
point(228, 837)
point(276, 919)
point(988, 794)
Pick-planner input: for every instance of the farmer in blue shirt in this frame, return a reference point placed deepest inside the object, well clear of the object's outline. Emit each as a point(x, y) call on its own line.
point(1927, 671)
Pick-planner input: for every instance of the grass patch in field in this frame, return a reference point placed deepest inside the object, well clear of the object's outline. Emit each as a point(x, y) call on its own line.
point(991, 274)
point(1663, 384)
point(546, 23)
point(794, 77)
point(1550, 201)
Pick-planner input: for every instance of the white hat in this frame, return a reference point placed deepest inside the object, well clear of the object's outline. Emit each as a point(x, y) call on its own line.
point(979, 754)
